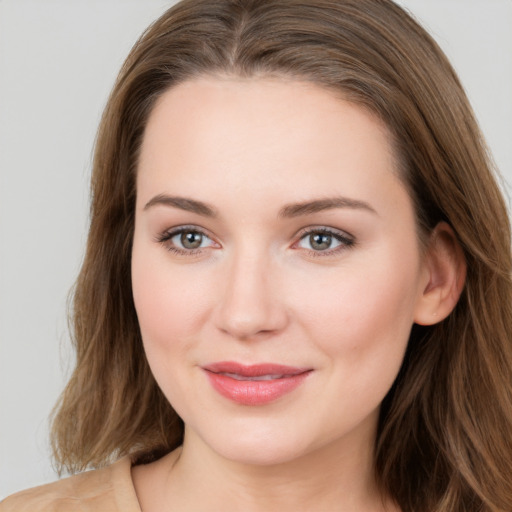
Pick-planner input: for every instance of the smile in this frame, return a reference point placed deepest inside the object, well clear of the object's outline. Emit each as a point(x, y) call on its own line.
point(255, 384)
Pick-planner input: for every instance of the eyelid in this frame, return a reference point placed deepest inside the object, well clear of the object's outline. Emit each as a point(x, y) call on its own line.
point(167, 235)
point(346, 240)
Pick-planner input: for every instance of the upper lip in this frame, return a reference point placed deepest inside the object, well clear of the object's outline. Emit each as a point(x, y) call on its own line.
point(254, 370)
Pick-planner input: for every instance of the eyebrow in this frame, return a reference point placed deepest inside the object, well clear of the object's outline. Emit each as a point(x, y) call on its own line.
point(319, 205)
point(182, 203)
point(288, 211)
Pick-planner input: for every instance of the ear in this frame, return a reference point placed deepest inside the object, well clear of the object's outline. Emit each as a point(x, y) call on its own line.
point(445, 274)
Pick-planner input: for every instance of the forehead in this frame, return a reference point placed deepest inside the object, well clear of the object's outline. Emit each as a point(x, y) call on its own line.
point(264, 107)
point(257, 135)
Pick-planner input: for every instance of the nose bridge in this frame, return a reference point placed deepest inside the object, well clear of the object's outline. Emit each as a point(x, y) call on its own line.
point(250, 303)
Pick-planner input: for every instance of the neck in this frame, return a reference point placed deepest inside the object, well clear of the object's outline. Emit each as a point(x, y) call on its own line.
point(338, 476)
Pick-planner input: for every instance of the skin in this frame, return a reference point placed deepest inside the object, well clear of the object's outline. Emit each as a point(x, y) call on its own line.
point(257, 290)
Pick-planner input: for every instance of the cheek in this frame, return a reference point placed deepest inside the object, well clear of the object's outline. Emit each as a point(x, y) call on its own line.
point(361, 326)
point(364, 313)
point(170, 307)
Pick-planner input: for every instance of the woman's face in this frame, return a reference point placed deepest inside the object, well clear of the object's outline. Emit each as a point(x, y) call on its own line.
point(276, 268)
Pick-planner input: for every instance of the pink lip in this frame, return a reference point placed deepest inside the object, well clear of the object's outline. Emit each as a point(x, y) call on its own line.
point(232, 380)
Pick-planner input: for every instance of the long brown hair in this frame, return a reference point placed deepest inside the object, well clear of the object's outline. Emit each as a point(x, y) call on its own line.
point(444, 441)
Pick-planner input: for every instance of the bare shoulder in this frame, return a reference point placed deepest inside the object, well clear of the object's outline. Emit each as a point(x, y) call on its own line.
point(108, 489)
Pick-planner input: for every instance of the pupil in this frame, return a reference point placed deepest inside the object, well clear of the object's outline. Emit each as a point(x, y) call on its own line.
point(320, 241)
point(191, 240)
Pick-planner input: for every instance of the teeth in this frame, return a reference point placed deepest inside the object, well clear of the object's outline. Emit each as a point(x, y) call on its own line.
point(259, 377)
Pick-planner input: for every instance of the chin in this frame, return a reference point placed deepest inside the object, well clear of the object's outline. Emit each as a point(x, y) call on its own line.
point(257, 443)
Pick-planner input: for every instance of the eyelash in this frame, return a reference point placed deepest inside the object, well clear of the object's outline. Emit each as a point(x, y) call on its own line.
point(346, 241)
point(166, 237)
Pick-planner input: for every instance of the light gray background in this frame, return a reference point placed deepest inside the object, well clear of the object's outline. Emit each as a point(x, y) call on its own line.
point(58, 60)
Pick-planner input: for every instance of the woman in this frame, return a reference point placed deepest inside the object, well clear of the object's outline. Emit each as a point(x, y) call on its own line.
point(297, 282)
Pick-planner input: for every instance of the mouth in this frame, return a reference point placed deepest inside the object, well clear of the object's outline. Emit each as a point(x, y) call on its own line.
point(254, 384)
point(259, 378)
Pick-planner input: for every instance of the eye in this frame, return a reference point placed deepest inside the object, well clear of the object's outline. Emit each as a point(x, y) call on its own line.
point(324, 240)
point(186, 240)
point(189, 239)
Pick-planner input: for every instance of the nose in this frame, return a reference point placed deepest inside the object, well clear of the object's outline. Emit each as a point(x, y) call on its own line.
point(251, 303)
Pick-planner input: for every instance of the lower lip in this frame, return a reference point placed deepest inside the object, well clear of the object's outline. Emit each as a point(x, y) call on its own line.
point(254, 392)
